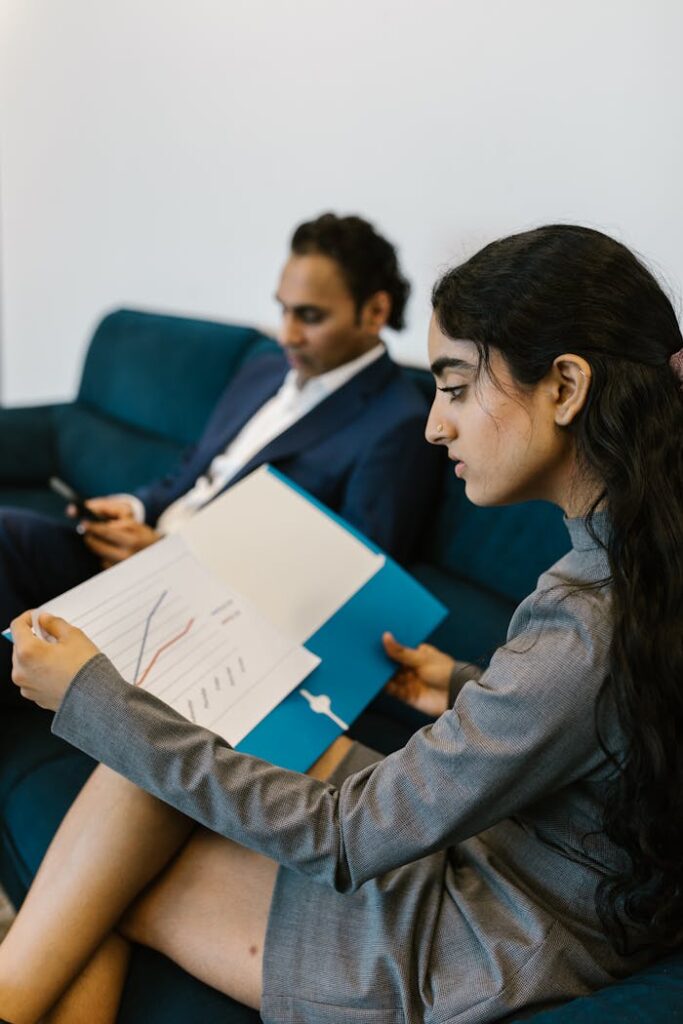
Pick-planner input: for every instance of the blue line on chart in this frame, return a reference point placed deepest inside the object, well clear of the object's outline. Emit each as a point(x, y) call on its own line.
point(144, 635)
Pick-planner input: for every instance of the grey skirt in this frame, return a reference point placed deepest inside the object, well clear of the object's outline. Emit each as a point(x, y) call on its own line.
point(452, 937)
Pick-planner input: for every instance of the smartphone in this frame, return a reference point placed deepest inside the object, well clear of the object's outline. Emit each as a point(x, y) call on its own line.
point(68, 493)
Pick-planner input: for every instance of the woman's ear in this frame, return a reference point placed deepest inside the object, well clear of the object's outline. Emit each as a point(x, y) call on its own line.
point(571, 379)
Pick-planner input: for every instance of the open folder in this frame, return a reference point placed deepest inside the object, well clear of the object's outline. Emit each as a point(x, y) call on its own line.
point(261, 619)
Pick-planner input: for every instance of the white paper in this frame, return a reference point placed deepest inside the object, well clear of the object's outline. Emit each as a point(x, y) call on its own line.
point(290, 559)
point(172, 626)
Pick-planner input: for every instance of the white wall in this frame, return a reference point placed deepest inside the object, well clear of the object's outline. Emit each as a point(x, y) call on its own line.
point(158, 152)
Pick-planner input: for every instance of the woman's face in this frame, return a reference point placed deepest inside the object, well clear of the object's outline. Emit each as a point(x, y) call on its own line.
point(504, 441)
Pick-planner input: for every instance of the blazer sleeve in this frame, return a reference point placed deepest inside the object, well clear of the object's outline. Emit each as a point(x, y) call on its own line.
point(158, 495)
point(523, 730)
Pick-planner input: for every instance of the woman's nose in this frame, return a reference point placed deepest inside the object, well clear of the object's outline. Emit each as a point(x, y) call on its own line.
point(437, 431)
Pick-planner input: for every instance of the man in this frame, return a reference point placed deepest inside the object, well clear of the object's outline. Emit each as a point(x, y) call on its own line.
point(331, 411)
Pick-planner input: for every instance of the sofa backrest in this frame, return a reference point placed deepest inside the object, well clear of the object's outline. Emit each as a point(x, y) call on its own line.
point(162, 374)
point(505, 549)
point(149, 384)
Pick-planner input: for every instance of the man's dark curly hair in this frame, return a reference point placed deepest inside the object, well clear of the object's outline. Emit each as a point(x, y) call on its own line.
point(368, 262)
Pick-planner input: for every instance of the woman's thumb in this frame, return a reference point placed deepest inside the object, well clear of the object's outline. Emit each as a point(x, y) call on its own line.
point(403, 655)
point(53, 626)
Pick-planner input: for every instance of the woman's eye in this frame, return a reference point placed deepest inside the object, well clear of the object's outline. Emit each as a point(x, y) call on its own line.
point(455, 392)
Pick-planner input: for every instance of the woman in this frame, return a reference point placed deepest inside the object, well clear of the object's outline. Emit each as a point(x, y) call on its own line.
point(523, 849)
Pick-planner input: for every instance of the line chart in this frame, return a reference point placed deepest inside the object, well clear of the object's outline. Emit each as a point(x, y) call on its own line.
point(136, 678)
point(174, 629)
point(160, 650)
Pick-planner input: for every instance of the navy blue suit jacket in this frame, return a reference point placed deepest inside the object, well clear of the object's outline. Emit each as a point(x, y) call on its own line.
point(361, 451)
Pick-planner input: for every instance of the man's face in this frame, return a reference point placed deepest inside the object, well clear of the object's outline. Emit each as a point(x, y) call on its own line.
point(321, 327)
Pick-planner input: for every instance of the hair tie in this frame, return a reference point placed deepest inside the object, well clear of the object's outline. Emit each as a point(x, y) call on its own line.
point(676, 364)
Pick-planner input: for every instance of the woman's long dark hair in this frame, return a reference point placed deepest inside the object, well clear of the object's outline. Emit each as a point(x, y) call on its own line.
point(560, 289)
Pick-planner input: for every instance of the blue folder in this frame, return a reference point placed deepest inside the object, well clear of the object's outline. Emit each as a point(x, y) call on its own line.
point(353, 667)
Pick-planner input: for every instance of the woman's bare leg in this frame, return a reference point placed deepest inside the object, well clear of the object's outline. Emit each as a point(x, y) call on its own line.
point(113, 841)
point(95, 996)
point(208, 912)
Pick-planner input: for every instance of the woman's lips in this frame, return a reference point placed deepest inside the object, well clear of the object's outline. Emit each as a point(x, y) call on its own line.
point(459, 468)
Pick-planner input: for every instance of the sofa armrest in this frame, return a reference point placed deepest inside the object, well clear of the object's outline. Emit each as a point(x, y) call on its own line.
point(28, 453)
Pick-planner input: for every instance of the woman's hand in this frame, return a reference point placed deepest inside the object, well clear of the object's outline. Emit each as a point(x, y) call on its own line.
point(43, 669)
point(423, 677)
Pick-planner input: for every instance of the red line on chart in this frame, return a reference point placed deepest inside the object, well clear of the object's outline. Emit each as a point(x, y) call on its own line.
point(161, 650)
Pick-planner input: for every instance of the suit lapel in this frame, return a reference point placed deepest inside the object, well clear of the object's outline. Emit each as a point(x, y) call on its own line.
point(340, 408)
point(249, 393)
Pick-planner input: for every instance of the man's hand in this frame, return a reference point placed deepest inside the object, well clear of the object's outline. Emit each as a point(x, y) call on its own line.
point(113, 508)
point(423, 676)
point(43, 669)
point(117, 540)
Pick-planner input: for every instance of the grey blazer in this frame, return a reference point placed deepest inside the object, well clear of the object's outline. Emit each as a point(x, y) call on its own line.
point(452, 881)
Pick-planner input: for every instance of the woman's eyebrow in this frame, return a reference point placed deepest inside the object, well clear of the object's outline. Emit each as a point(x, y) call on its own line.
point(450, 363)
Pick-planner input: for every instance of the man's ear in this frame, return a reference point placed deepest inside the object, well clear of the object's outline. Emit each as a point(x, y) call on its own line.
point(570, 379)
point(376, 312)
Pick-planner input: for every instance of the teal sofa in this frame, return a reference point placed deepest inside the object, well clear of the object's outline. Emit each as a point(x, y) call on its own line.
point(148, 385)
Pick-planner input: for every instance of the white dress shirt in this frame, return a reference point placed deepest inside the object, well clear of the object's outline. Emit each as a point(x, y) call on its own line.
point(290, 404)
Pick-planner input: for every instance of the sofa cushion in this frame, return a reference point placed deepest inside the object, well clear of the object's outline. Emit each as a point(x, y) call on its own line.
point(652, 996)
point(35, 499)
point(25, 743)
point(37, 804)
point(28, 450)
point(157, 991)
point(478, 617)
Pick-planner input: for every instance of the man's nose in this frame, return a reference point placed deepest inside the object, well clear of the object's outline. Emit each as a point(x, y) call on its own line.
point(290, 331)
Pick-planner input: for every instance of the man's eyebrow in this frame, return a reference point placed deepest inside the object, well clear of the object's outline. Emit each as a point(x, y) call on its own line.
point(302, 308)
point(450, 363)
